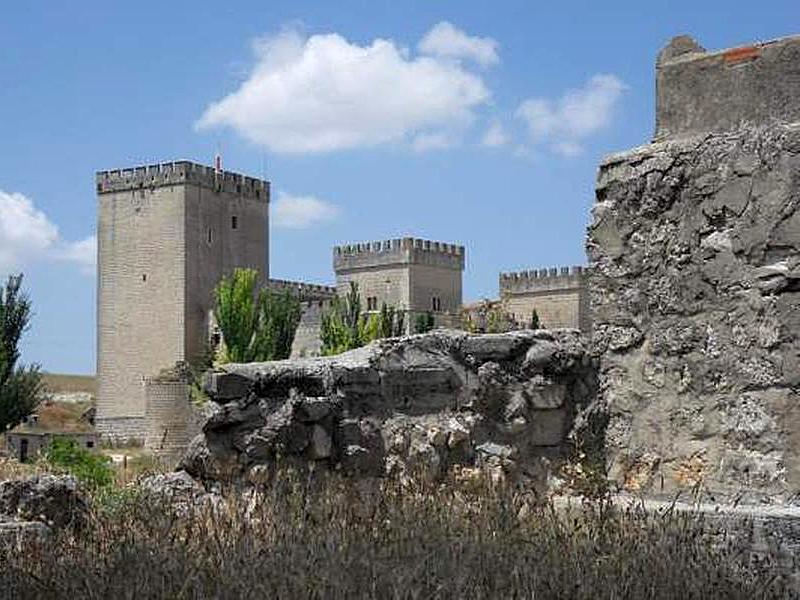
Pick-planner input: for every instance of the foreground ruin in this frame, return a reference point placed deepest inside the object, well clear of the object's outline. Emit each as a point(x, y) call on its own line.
point(695, 280)
point(423, 405)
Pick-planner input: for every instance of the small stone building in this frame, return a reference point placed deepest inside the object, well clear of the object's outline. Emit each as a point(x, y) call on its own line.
point(26, 445)
point(53, 420)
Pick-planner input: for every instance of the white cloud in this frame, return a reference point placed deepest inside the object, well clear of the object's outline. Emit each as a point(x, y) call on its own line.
point(83, 253)
point(301, 212)
point(27, 235)
point(433, 141)
point(565, 123)
point(495, 136)
point(448, 41)
point(324, 93)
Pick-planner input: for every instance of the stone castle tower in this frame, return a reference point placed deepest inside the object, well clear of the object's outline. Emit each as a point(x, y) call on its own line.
point(167, 233)
point(416, 276)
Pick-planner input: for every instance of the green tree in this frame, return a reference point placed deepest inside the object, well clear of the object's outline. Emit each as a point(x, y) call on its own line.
point(424, 322)
point(237, 313)
point(255, 325)
point(344, 327)
point(535, 324)
point(278, 318)
point(21, 387)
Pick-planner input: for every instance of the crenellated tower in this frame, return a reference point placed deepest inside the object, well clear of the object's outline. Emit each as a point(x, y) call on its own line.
point(166, 235)
point(414, 275)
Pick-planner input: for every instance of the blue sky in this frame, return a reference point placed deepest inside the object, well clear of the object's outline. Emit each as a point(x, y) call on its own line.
point(480, 123)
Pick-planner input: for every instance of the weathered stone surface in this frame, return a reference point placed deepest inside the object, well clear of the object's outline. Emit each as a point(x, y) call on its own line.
point(694, 251)
point(698, 91)
point(178, 492)
point(414, 406)
point(51, 499)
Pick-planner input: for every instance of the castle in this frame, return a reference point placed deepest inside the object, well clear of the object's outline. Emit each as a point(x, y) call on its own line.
point(167, 233)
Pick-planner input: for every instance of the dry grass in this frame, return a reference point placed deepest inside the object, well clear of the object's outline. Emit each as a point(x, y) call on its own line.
point(11, 468)
point(344, 539)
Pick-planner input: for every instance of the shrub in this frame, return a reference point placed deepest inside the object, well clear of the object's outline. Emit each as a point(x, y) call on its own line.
point(92, 469)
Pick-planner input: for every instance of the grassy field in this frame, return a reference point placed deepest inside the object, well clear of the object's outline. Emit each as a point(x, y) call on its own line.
point(345, 539)
point(58, 382)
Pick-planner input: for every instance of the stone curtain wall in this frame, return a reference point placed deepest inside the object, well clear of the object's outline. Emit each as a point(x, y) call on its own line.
point(695, 291)
point(422, 405)
point(314, 300)
point(307, 340)
point(559, 296)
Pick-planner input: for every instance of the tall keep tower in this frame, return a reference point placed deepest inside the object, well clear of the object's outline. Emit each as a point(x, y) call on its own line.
point(416, 276)
point(166, 235)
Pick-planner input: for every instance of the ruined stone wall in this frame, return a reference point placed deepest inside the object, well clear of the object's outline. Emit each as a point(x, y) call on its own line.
point(695, 291)
point(423, 405)
point(559, 296)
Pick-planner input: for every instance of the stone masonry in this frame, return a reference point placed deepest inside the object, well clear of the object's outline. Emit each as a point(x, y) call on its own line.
point(695, 280)
point(423, 405)
point(416, 276)
point(560, 297)
point(171, 418)
point(167, 233)
point(699, 91)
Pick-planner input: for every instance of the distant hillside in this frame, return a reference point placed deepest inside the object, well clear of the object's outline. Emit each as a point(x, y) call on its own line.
point(59, 383)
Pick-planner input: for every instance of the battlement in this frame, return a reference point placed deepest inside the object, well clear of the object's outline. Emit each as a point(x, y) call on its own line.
point(699, 91)
point(402, 251)
point(543, 280)
point(180, 173)
point(305, 291)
